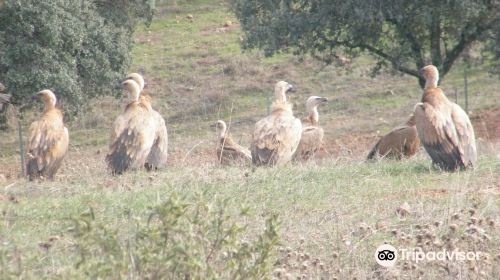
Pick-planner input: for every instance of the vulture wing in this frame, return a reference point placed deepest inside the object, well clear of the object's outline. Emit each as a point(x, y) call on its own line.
point(47, 145)
point(4, 98)
point(132, 146)
point(275, 139)
point(157, 157)
point(438, 134)
point(310, 142)
point(465, 133)
point(229, 152)
point(399, 142)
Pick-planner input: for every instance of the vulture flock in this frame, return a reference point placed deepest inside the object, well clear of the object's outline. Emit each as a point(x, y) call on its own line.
point(139, 137)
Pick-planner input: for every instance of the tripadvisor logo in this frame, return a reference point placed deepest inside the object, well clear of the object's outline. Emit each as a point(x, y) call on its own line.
point(386, 255)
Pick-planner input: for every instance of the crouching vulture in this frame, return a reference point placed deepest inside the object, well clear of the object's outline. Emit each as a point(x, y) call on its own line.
point(133, 133)
point(444, 128)
point(276, 137)
point(401, 142)
point(48, 140)
point(228, 151)
point(157, 157)
point(312, 134)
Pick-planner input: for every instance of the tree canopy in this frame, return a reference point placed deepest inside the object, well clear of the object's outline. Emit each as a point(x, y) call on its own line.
point(77, 48)
point(403, 34)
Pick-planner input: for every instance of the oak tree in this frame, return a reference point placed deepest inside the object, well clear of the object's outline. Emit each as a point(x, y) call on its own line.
point(402, 34)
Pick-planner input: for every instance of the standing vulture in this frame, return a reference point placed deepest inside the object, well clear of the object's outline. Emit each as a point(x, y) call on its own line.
point(228, 151)
point(400, 142)
point(312, 134)
point(133, 134)
point(4, 98)
point(277, 136)
point(443, 127)
point(157, 157)
point(48, 140)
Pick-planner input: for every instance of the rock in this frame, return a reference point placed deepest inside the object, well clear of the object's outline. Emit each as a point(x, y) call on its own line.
point(190, 16)
point(228, 23)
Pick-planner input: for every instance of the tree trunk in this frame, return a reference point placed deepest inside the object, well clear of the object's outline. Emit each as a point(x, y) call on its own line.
point(436, 55)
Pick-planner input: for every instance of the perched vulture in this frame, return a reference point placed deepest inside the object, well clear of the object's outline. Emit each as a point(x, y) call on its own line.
point(4, 98)
point(443, 127)
point(312, 134)
point(133, 134)
point(157, 157)
point(401, 142)
point(48, 140)
point(277, 136)
point(228, 151)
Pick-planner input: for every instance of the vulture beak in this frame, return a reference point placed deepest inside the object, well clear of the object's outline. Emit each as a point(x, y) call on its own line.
point(214, 125)
point(323, 100)
point(290, 89)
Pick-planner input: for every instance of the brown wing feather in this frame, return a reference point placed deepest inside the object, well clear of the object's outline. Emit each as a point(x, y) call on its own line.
point(4, 98)
point(465, 134)
point(438, 135)
point(400, 142)
point(276, 138)
point(310, 142)
point(229, 152)
point(131, 148)
point(157, 157)
point(47, 145)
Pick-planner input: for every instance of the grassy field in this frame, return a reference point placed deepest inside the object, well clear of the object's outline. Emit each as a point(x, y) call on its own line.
point(333, 212)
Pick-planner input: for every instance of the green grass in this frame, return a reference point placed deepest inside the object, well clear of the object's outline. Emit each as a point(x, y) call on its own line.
point(322, 204)
point(198, 74)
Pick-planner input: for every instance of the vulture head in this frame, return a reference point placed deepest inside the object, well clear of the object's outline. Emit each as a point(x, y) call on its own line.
point(280, 90)
point(137, 78)
point(312, 104)
point(48, 98)
point(2, 87)
point(221, 127)
point(314, 101)
point(431, 75)
point(133, 90)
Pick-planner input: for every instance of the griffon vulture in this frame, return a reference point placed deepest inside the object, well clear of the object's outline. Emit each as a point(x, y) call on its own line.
point(228, 151)
point(276, 137)
point(312, 134)
point(443, 127)
point(400, 142)
point(133, 134)
point(157, 157)
point(48, 140)
point(4, 98)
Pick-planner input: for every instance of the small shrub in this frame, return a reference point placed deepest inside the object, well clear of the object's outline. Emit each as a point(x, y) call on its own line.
point(180, 239)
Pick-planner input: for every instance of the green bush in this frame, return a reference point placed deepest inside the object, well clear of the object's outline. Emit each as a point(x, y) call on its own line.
point(181, 239)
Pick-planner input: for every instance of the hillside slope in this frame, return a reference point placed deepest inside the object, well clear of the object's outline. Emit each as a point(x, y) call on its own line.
point(333, 212)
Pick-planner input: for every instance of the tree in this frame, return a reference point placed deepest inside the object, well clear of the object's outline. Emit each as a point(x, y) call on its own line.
point(78, 48)
point(403, 34)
